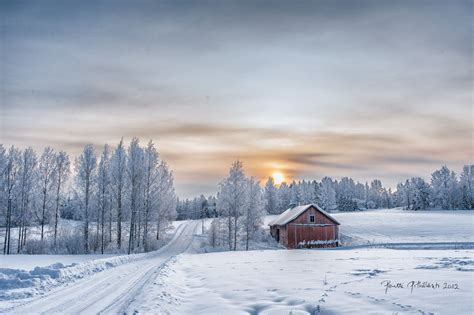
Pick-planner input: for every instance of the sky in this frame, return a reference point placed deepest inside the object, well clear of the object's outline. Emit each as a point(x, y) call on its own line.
point(366, 89)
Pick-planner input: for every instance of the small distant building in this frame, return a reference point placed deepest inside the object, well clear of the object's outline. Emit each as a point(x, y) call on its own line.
point(305, 227)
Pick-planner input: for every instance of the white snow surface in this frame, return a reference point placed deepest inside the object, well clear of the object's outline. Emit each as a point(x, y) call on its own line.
point(178, 279)
point(401, 226)
point(308, 281)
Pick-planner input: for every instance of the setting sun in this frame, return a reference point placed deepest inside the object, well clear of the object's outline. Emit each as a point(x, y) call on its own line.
point(278, 178)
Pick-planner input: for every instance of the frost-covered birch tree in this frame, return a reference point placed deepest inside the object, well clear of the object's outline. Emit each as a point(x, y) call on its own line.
point(103, 190)
point(165, 199)
point(46, 174)
point(11, 171)
point(231, 200)
point(151, 174)
point(28, 173)
point(118, 174)
point(254, 211)
point(134, 171)
point(85, 166)
point(61, 172)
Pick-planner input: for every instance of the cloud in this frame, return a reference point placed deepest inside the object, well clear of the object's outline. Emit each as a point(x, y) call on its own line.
point(313, 88)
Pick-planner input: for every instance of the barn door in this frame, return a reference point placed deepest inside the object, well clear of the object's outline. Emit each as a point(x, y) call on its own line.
point(278, 235)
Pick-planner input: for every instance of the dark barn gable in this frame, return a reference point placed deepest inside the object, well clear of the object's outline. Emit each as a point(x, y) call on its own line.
point(305, 227)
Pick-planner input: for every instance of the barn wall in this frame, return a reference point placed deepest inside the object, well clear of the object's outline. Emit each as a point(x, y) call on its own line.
point(307, 233)
point(284, 235)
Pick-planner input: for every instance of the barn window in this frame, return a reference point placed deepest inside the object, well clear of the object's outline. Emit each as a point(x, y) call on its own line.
point(311, 218)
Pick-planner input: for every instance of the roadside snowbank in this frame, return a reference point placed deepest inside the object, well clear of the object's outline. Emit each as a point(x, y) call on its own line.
point(20, 283)
point(29, 262)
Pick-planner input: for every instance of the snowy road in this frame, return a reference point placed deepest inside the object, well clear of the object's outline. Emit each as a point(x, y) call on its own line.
point(111, 291)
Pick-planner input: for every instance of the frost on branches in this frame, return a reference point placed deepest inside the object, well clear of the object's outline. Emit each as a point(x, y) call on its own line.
point(50, 205)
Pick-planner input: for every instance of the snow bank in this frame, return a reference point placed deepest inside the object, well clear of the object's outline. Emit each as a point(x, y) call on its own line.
point(29, 262)
point(20, 283)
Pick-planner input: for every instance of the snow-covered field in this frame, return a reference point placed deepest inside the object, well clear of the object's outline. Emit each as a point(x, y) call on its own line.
point(308, 281)
point(401, 226)
point(180, 279)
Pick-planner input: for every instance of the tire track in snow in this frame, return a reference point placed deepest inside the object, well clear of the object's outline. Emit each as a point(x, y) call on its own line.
point(122, 304)
point(111, 290)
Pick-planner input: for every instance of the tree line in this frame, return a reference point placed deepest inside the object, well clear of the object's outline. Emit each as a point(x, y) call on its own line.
point(121, 194)
point(444, 191)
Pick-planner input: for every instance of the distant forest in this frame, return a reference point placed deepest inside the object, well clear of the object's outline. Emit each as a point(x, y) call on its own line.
point(445, 190)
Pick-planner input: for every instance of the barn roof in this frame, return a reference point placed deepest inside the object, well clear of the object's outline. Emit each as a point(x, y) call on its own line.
point(292, 213)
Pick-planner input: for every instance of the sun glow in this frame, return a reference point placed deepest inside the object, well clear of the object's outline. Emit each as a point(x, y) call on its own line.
point(278, 178)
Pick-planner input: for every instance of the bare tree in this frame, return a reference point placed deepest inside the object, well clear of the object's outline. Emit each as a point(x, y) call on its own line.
point(85, 166)
point(254, 210)
point(46, 175)
point(151, 177)
point(103, 181)
point(62, 171)
point(134, 171)
point(231, 200)
point(11, 172)
point(28, 172)
point(165, 200)
point(118, 172)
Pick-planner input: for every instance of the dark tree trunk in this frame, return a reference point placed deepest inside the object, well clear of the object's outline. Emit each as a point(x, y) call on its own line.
point(43, 213)
point(6, 244)
point(119, 217)
point(86, 218)
point(110, 218)
point(235, 232)
point(56, 216)
point(230, 232)
point(102, 231)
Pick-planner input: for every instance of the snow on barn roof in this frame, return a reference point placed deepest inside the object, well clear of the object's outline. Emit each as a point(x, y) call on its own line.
point(292, 213)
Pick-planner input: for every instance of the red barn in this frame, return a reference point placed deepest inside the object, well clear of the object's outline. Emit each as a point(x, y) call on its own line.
point(305, 227)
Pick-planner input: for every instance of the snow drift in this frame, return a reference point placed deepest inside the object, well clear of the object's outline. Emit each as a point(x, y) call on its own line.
point(19, 283)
